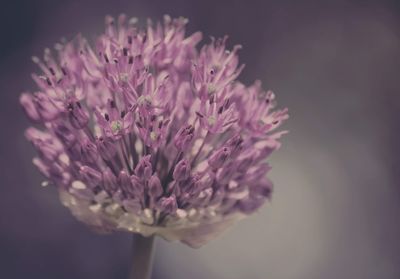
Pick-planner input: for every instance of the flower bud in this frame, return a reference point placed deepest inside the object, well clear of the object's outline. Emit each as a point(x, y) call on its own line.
point(74, 152)
point(45, 107)
point(77, 116)
point(124, 182)
point(106, 147)
point(65, 135)
point(244, 164)
point(167, 205)
point(144, 168)
point(155, 188)
point(218, 158)
point(90, 175)
point(263, 188)
point(181, 171)
point(88, 151)
point(234, 141)
point(109, 182)
point(235, 144)
point(28, 104)
point(137, 185)
point(44, 143)
point(184, 137)
point(250, 204)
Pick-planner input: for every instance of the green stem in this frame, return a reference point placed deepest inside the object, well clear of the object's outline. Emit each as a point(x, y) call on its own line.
point(142, 257)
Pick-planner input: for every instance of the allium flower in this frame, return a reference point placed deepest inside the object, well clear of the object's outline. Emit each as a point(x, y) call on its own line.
point(141, 131)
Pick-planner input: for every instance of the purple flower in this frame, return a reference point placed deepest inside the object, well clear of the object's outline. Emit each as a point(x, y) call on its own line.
point(114, 124)
point(143, 132)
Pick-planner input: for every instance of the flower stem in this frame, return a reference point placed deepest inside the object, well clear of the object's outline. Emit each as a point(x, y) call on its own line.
point(142, 257)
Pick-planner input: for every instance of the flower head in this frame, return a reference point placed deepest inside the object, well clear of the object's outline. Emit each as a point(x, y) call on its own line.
point(143, 132)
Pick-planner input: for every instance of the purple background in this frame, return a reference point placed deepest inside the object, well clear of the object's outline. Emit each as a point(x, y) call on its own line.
point(335, 210)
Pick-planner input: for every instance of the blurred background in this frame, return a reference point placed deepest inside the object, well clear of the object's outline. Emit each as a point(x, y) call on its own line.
point(335, 209)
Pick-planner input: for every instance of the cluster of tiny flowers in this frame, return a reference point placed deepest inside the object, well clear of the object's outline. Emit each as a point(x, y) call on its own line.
point(144, 132)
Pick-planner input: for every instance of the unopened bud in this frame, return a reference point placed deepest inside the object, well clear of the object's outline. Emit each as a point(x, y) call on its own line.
point(167, 205)
point(155, 188)
point(218, 158)
point(109, 181)
point(90, 175)
point(27, 103)
point(184, 137)
point(106, 147)
point(77, 116)
point(144, 168)
point(181, 171)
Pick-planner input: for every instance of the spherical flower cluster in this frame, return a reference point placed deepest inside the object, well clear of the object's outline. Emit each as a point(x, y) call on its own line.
point(145, 133)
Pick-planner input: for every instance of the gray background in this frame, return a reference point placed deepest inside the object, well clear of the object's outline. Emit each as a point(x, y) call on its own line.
point(335, 209)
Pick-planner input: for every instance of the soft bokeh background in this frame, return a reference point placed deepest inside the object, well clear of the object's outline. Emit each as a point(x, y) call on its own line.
point(335, 210)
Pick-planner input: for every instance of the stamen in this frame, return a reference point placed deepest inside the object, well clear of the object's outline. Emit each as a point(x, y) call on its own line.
point(199, 114)
point(106, 58)
point(139, 125)
point(212, 99)
point(48, 81)
point(227, 103)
